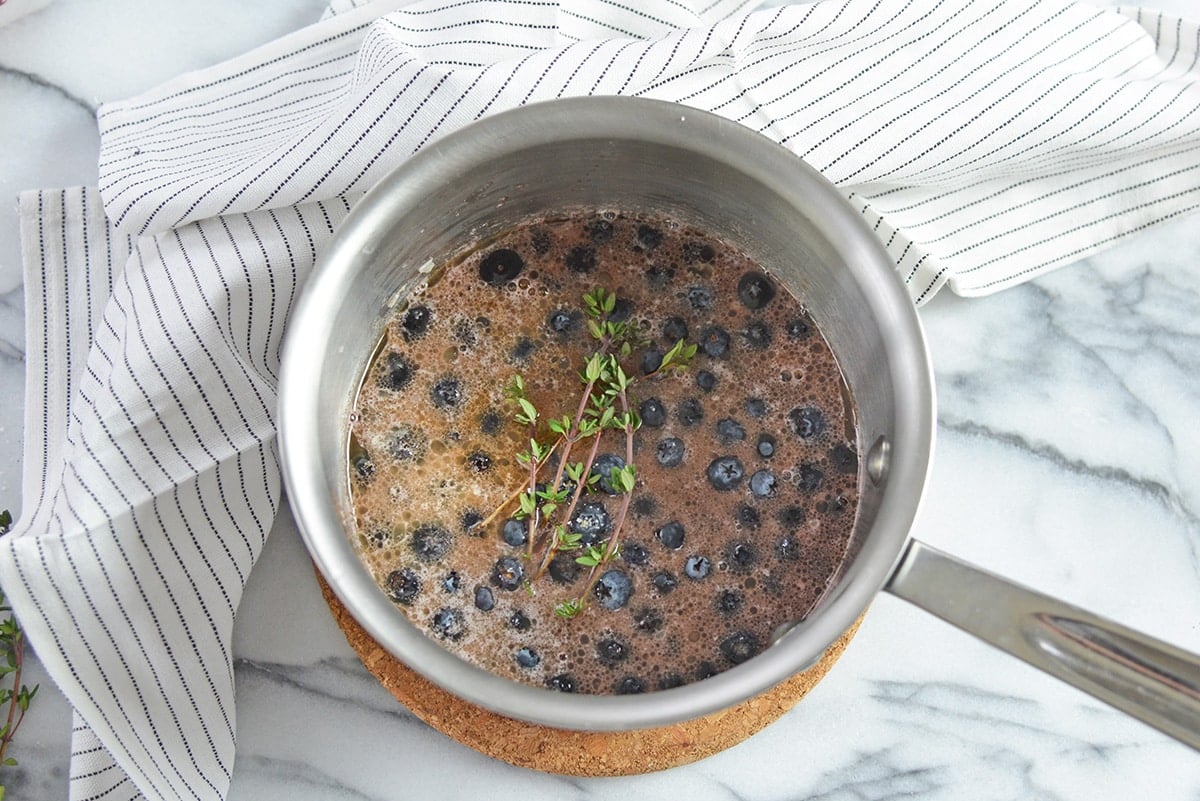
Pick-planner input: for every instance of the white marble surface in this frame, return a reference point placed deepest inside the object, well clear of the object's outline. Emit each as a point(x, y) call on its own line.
point(1068, 458)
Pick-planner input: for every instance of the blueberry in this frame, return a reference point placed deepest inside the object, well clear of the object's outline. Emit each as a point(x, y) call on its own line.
point(763, 483)
point(671, 535)
point(669, 452)
point(690, 412)
point(630, 685)
point(484, 600)
point(739, 646)
point(565, 321)
point(635, 554)
point(648, 237)
point(479, 461)
point(563, 569)
point(364, 468)
point(539, 240)
point(651, 360)
point(508, 573)
point(670, 681)
point(725, 473)
point(602, 468)
point(622, 310)
point(809, 478)
point(652, 412)
point(527, 657)
point(766, 446)
point(415, 322)
point(756, 408)
point(701, 298)
point(514, 532)
point(791, 516)
point(664, 582)
point(519, 621)
point(714, 341)
point(449, 623)
point(600, 230)
point(706, 380)
point(403, 585)
point(798, 328)
point(729, 601)
point(698, 251)
point(501, 266)
point(843, 458)
point(706, 670)
point(407, 444)
point(452, 582)
point(490, 422)
point(747, 515)
point(612, 650)
point(591, 522)
point(580, 259)
point(675, 329)
point(521, 351)
point(757, 335)
point(730, 430)
point(563, 683)
point(430, 542)
point(788, 548)
point(741, 555)
point(755, 290)
point(696, 567)
point(468, 522)
point(613, 589)
point(806, 422)
point(658, 276)
point(447, 393)
point(648, 620)
point(644, 505)
point(396, 372)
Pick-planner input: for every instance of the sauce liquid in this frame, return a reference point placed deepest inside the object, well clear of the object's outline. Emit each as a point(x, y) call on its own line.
point(746, 462)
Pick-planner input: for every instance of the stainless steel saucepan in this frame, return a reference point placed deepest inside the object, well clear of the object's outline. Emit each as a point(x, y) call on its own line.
point(641, 155)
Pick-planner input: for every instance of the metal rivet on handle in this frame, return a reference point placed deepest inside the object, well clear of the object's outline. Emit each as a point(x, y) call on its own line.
point(879, 460)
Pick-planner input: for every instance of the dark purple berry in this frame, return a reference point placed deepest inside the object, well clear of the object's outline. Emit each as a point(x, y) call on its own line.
point(706, 381)
point(757, 335)
point(447, 393)
point(701, 298)
point(763, 484)
point(415, 322)
point(843, 458)
point(644, 505)
point(612, 650)
point(690, 412)
point(469, 521)
point(613, 589)
point(514, 532)
point(652, 412)
point(698, 251)
point(508, 573)
point(730, 430)
point(788, 548)
point(580, 259)
point(791, 517)
point(479, 461)
point(490, 422)
point(603, 467)
point(622, 310)
point(798, 329)
point(563, 683)
point(519, 621)
point(747, 515)
point(630, 685)
point(659, 276)
point(565, 321)
point(671, 535)
point(675, 329)
point(563, 569)
point(729, 601)
point(670, 681)
point(696, 567)
point(452, 582)
point(648, 237)
point(501, 266)
point(527, 657)
point(648, 620)
point(714, 341)
point(756, 408)
point(430, 542)
point(396, 373)
point(669, 452)
point(766, 446)
point(591, 522)
point(664, 582)
point(809, 478)
point(755, 290)
point(539, 240)
point(806, 422)
point(449, 623)
point(522, 350)
point(600, 230)
point(635, 554)
point(364, 468)
point(725, 473)
point(484, 600)
point(407, 444)
point(739, 646)
point(651, 360)
point(403, 585)
point(706, 670)
point(741, 555)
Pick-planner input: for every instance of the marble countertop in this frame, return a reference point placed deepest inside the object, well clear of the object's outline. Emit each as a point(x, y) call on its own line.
point(1068, 458)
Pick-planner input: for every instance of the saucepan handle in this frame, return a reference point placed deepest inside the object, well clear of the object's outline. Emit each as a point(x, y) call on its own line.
point(1144, 677)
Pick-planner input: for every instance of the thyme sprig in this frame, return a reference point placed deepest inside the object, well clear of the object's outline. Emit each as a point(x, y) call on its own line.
point(16, 695)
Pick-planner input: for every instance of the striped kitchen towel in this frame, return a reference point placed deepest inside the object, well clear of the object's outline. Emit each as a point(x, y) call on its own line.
point(985, 143)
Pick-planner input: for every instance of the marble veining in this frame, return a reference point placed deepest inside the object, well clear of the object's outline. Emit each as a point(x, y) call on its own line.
point(1068, 458)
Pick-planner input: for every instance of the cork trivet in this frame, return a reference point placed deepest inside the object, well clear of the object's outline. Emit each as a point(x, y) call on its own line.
point(576, 753)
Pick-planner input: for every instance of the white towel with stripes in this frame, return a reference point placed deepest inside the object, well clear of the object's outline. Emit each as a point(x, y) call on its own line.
point(985, 143)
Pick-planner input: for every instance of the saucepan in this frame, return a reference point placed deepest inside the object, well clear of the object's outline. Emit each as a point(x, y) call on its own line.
point(641, 155)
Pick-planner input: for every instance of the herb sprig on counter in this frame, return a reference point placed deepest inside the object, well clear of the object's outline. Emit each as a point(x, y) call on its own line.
point(15, 697)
